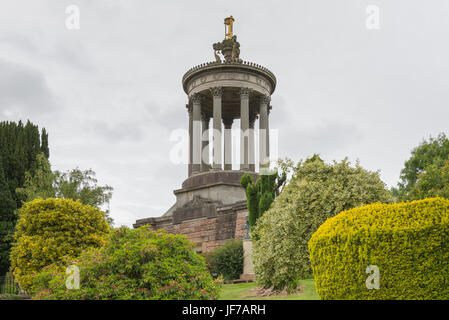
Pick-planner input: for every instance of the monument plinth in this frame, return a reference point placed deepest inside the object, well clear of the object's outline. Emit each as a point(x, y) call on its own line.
point(211, 205)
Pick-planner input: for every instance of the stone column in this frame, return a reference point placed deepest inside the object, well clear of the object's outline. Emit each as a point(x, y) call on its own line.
point(196, 164)
point(263, 132)
point(248, 268)
point(244, 128)
point(252, 156)
point(228, 143)
point(217, 93)
point(205, 142)
point(268, 131)
point(189, 110)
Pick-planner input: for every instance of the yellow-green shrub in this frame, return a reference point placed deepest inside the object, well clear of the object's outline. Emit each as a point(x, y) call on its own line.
point(51, 230)
point(408, 242)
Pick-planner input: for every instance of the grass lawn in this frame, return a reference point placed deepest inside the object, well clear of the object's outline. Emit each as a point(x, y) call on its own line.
point(241, 291)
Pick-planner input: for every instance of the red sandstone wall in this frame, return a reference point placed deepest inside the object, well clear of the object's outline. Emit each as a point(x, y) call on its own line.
point(208, 233)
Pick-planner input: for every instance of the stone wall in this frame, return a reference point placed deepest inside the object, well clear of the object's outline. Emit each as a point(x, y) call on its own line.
point(207, 231)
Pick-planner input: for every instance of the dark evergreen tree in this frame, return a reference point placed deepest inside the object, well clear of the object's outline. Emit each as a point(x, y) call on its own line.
point(7, 221)
point(261, 194)
point(44, 143)
point(19, 146)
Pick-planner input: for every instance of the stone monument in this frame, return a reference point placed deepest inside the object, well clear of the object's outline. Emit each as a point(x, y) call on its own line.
point(210, 206)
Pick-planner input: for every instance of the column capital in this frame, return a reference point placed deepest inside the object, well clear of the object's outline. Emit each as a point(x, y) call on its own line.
point(245, 92)
point(196, 98)
point(269, 108)
point(189, 109)
point(227, 122)
point(265, 99)
point(216, 91)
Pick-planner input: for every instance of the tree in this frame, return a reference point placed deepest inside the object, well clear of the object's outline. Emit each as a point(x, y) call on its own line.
point(433, 182)
point(19, 146)
point(82, 185)
point(134, 264)
point(40, 185)
point(44, 145)
point(7, 218)
point(49, 231)
point(261, 194)
point(431, 155)
point(317, 191)
point(74, 184)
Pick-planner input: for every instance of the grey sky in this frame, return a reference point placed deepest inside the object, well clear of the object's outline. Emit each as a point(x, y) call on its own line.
point(110, 92)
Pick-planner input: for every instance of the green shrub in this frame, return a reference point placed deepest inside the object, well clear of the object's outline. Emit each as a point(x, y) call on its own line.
point(227, 260)
point(134, 264)
point(261, 194)
point(408, 242)
point(50, 230)
point(317, 191)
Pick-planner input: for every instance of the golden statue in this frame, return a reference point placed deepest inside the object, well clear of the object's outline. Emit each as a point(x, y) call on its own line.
point(229, 21)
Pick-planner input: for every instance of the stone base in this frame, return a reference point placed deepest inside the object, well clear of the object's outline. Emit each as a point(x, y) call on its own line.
point(248, 268)
point(221, 186)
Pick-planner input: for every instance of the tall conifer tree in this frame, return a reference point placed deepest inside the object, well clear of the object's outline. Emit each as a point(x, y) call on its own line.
point(7, 221)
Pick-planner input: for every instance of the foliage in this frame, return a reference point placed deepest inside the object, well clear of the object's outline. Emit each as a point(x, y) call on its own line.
point(82, 185)
point(134, 264)
point(227, 260)
point(433, 182)
point(19, 146)
point(260, 195)
point(7, 218)
point(316, 192)
point(406, 241)
point(51, 230)
point(426, 162)
point(74, 184)
point(39, 185)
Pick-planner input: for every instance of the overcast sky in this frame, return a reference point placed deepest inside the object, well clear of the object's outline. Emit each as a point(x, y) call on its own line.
point(110, 94)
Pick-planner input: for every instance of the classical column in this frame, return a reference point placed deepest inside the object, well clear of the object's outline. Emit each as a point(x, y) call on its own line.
point(189, 110)
point(264, 159)
point(205, 142)
point(216, 96)
point(196, 165)
point(268, 131)
point(244, 128)
point(228, 143)
point(252, 156)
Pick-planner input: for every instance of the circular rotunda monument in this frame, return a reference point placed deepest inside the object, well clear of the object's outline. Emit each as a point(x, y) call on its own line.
point(211, 205)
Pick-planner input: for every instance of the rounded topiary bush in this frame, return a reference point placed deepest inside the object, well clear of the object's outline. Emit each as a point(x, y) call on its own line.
point(51, 230)
point(134, 264)
point(408, 242)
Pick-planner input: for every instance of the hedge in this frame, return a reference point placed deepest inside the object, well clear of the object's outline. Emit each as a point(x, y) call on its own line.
point(408, 242)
